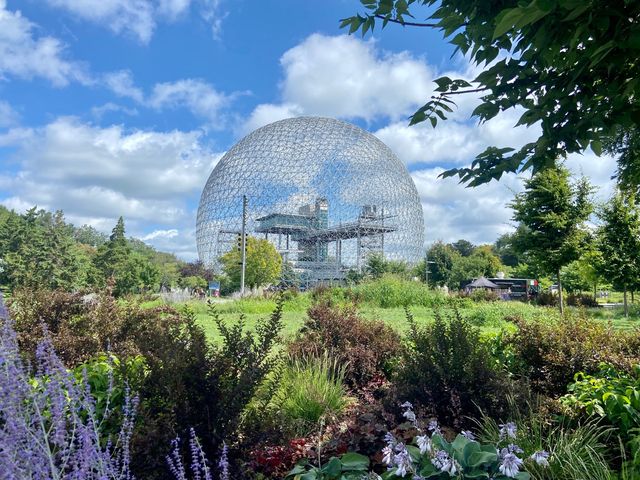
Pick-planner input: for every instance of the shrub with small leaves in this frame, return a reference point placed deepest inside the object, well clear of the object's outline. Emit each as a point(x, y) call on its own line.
point(365, 347)
point(550, 352)
point(447, 370)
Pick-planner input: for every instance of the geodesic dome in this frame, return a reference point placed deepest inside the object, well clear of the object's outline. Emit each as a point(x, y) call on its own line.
point(326, 193)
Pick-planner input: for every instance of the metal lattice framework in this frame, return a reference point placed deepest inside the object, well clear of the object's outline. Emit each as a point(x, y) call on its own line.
point(326, 193)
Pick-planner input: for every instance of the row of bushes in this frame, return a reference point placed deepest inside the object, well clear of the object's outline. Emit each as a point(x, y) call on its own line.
point(333, 388)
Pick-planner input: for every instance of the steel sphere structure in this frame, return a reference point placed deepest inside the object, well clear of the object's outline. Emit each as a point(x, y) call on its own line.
point(326, 193)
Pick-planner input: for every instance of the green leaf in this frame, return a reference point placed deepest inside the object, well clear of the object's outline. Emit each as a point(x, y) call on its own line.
point(506, 21)
point(596, 146)
point(332, 468)
point(476, 459)
point(354, 461)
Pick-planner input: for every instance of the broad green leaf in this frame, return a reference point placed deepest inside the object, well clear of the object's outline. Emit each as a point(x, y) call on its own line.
point(354, 461)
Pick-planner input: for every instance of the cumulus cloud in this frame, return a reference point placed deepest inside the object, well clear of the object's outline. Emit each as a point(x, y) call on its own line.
point(160, 234)
point(197, 95)
point(452, 211)
point(454, 142)
point(97, 174)
point(343, 76)
point(8, 116)
point(25, 55)
point(139, 18)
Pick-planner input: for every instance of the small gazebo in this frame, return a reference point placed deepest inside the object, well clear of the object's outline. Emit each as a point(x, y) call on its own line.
point(483, 283)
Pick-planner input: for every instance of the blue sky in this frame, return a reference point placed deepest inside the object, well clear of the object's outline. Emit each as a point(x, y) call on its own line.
point(123, 107)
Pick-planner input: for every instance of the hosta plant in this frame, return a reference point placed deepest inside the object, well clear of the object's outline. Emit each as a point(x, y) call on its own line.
point(432, 456)
point(350, 466)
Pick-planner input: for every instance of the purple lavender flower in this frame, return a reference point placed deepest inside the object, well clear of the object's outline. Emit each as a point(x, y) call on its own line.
point(541, 458)
point(468, 435)
point(223, 464)
point(508, 430)
point(510, 465)
point(50, 428)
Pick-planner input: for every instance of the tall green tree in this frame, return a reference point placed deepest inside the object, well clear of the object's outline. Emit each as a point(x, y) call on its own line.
point(115, 261)
point(263, 266)
point(38, 251)
point(441, 258)
point(570, 66)
point(619, 242)
point(464, 247)
point(554, 212)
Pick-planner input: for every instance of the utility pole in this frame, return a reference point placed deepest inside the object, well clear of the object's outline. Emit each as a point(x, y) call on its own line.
point(426, 268)
point(244, 243)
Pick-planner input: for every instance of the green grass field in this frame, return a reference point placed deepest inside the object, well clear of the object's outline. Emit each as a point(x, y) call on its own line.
point(489, 316)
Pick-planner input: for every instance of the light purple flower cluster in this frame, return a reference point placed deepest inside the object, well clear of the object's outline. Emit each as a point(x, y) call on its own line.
point(396, 456)
point(510, 463)
point(199, 464)
point(49, 425)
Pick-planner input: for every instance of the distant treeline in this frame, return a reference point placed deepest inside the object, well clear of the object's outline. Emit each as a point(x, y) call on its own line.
point(39, 249)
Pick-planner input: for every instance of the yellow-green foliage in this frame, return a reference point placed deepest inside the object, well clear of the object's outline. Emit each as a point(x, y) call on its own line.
point(263, 266)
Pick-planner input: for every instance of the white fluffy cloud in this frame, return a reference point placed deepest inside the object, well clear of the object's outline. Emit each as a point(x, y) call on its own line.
point(96, 174)
point(453, 141)
point(452, 211)
point(342, 76)
point(23, 54)
point(196, 95)
point(138, 18)
point(122, 84)
point(8, 116)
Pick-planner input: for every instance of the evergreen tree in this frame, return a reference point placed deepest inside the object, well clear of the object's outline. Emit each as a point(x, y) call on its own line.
point(619, 243)
point(115, 262)
point(554, 212)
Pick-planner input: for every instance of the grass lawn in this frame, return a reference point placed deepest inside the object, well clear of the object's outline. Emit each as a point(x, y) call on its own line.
point(489, 315)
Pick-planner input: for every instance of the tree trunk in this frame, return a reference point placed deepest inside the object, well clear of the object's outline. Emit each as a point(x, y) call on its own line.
point(626, 306)
point(560, 301)
point(595, 292)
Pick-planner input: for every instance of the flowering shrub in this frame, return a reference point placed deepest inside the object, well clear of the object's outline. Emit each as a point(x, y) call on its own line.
point(199, 464)
point(49, 426)
point(432, 456)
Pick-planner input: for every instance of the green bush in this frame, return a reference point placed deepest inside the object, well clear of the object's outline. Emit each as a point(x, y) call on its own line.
point(447, 369)
point(365, 347)
point(549, 352)
point(391, 291)
point(310, 391)
point(609, 394)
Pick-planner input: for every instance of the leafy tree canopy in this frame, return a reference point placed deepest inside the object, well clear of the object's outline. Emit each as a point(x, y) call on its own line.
point(264, 263)
point(619, 242)
point(570, 66)
point(553, 212)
